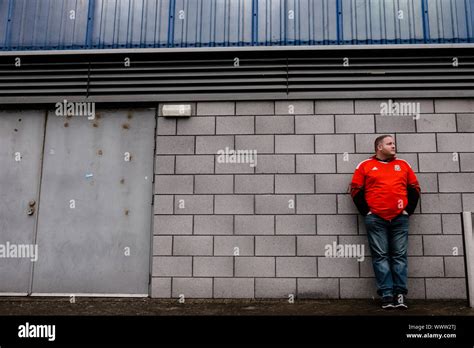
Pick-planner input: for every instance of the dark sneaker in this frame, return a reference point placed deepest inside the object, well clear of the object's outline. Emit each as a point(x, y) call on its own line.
point(399, 301)
point(387, 302)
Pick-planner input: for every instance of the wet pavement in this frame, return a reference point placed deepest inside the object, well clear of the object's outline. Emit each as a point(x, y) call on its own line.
point(164, 307)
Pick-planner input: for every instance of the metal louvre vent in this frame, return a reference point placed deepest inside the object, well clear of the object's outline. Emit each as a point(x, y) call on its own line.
point(195, 76)
point(33, 77)
point(246, 75)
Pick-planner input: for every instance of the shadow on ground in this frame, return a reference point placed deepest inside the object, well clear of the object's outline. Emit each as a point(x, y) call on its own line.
point(148, 306)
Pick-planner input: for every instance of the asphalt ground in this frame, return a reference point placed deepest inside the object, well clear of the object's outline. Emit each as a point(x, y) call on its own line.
point(87, 306)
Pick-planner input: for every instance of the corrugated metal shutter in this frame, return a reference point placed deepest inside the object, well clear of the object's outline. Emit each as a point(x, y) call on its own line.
point(228, 75)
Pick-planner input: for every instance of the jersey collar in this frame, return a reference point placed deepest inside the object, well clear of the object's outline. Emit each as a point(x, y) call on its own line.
point(384, 161)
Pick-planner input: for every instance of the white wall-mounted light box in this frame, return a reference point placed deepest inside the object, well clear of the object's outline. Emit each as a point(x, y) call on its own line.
point(176, 110)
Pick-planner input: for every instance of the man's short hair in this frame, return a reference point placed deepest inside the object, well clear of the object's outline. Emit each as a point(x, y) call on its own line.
point(380, 139)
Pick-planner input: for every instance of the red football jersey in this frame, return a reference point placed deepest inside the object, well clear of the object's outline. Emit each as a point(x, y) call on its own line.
point(385, 185)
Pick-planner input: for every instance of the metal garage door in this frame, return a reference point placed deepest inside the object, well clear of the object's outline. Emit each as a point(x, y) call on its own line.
point(94, 209)
point(21, 144)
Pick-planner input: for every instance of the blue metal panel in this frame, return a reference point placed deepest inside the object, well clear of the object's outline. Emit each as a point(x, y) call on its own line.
point(52, 24)
point(3, 22)
point(380, 22)
point(311, 22)
point(73, 24)
point(212, 23)
point(470, 20)
point(130, 23)
point(271, 22)
point(450, 20)
point(90, 22)
point(426, 21)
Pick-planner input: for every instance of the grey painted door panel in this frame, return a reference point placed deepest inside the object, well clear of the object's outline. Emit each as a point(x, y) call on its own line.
point(94, 204)
point(21, 134)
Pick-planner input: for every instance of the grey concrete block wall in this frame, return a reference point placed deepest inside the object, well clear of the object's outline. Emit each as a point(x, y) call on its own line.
point(233, 230)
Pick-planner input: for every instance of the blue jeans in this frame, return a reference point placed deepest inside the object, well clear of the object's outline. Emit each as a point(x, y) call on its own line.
point(388, 241)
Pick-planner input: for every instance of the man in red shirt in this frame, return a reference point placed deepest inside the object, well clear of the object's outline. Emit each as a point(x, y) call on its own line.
point(386, 191)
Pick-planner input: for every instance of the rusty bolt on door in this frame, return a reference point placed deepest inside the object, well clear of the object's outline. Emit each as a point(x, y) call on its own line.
point(31, 209)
